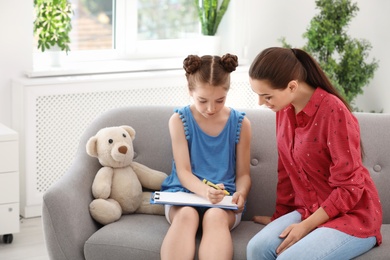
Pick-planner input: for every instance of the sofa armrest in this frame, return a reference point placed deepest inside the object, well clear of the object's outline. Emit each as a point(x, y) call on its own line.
point(67, 223)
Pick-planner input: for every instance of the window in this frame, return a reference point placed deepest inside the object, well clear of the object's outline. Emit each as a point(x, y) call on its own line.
point(130, 29)
point(166, 19)
point(92, 25)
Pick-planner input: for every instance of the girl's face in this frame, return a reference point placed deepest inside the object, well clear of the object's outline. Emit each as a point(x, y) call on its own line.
point(274, 99)
point(208, 100)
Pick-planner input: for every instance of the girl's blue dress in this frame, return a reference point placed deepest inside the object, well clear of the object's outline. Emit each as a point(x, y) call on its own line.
point(212, 157)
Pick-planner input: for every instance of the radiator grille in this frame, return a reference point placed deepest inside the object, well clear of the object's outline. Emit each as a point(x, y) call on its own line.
point(61, 120)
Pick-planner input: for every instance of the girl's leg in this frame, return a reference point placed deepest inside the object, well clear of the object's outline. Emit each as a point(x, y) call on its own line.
point(328, 244)
point(216, 240)
point(263, 245)
point(179, 242)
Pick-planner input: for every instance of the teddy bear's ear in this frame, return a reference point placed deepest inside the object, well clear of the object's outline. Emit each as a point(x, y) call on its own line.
point(91, 146)
point(130, 130)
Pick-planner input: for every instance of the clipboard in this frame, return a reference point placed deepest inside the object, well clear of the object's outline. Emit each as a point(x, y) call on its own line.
point(181, 198)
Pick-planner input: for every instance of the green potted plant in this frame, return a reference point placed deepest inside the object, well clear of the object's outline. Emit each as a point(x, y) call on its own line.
point(52, 24)
point(210, 14)
point(342, 57)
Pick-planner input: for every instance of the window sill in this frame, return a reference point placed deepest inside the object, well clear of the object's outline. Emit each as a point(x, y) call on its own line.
point(110, 66)
point(102, 67)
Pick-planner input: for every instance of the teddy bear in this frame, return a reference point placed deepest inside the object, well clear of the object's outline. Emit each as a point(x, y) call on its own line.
point(118, 185)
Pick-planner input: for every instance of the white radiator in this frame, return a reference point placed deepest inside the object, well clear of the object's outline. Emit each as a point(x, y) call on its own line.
point(50, 115)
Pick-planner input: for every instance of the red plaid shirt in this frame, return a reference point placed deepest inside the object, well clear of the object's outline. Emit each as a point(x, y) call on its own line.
point(320, 165)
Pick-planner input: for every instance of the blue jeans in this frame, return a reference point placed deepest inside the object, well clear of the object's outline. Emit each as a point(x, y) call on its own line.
point(321, 243)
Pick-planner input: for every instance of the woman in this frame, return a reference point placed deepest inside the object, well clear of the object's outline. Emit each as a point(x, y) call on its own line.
point(327, 205)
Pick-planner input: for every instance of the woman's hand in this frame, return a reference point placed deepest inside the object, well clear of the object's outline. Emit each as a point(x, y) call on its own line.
point(296, 232)
point(264, 220)
point(291, 235)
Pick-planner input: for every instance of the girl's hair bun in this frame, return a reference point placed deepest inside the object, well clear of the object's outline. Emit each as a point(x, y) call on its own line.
point(192, 63)
point(229, 62)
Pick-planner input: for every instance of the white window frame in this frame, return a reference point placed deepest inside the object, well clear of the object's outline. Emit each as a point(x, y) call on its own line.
point(126, 45)
point(146, 55)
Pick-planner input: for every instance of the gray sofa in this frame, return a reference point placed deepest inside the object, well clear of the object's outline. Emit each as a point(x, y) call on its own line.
point(71, 233)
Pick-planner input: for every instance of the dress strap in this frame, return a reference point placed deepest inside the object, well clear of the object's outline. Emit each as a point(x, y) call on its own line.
point(239, 125)
point(184, 120)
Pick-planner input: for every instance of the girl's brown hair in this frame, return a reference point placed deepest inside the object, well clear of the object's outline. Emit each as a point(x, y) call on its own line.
point(212, 70)
point(281, 65)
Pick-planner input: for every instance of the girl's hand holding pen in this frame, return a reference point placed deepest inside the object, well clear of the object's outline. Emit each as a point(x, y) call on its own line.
point(215, 192)
point(214, 195)
point(219, 186)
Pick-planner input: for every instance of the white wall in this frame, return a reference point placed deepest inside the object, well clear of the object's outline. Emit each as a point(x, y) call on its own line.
point(271, 19)
point(373, 23)
point(258, 24)
point(15, 48)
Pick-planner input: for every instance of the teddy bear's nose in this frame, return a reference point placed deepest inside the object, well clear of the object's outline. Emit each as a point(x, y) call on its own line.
point(122, 149)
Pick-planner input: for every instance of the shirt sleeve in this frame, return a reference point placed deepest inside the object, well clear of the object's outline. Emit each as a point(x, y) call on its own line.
point(346, 170)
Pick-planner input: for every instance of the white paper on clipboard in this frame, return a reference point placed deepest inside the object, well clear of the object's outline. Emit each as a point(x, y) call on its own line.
point(189, 199)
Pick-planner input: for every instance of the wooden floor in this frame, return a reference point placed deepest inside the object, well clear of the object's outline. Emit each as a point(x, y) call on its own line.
point(27, 244)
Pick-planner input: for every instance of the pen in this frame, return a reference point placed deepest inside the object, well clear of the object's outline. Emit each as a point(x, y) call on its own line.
point(215, 186)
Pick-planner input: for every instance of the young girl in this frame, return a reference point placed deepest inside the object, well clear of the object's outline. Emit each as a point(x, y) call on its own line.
point(327, 205)
point(209, 141)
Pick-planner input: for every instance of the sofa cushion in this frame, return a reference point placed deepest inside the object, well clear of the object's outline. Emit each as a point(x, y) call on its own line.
point(141, 236)
point(136, 235)
point(381, 252)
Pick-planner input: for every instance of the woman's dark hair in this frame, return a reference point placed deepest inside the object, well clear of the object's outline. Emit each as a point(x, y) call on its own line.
point(281, 65)
point(212, 70)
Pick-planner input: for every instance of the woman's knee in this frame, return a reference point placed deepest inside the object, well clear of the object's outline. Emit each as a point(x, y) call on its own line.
point(259, 242)
point(255, 251)
point(252, 247)
point(263, 246)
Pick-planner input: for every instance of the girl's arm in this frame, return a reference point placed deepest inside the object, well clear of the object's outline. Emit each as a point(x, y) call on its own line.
point(243, 178)
point(183, 165)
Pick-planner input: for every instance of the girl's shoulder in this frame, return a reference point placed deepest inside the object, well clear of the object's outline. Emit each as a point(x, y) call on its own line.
point(181, 110)
point(181, 113)
point(234, 111)
point(242, 123)
point(238, 114)
point(179, 121)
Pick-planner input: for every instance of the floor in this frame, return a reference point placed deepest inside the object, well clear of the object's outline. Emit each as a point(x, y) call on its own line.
point(27, 244)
